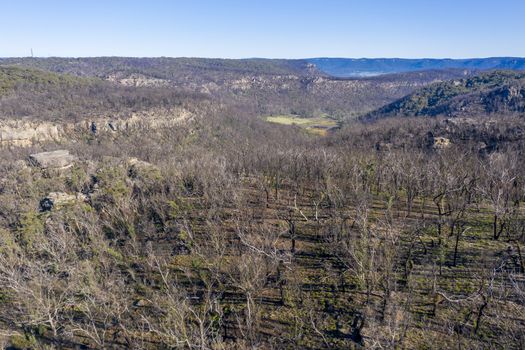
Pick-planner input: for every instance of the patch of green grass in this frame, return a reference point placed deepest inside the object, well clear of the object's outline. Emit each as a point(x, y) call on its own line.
point(317, 125)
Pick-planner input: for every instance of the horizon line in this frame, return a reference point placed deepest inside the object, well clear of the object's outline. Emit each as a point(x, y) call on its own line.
point(277, 58)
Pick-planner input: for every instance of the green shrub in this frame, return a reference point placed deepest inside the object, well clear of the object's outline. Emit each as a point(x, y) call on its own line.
point(21, 342)
point(31, 224)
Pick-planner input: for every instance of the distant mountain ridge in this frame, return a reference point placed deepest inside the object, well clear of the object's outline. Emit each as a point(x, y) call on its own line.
point(173, 68)
point(170, 68)
point(362, 67)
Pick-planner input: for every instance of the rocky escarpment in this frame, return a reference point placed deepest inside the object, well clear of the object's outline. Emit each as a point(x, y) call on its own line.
point(312, 96)
point(123, 85)
point(27, 132)
point(137, 80)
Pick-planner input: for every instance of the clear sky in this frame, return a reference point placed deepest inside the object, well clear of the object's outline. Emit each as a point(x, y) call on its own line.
point(269, 28)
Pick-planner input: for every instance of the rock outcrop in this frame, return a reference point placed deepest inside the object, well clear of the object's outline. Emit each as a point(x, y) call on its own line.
point(137, 80)
point(441, 143)
point(54, 160)
point(25, 133)
point(136, 165)
point(56, 200)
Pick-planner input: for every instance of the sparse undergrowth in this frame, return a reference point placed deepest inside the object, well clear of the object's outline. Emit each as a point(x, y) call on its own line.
point(230, 232)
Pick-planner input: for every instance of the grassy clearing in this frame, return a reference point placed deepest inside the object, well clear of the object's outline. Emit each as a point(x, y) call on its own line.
point(317, 125)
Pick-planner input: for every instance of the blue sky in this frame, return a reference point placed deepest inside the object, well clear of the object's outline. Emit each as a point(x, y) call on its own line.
point(269, 28)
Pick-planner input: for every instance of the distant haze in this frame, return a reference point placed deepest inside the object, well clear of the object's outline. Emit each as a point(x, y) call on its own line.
point(348, 67)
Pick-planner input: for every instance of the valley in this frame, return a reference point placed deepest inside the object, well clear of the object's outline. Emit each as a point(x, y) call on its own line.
point(240, 204)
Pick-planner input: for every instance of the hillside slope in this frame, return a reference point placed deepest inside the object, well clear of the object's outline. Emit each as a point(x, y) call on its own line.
point(256, 86)
point(43, 95)
point(166, 68)
point(488, 93)
point(12, 78)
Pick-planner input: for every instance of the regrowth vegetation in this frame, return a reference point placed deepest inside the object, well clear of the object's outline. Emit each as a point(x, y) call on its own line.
point(228, 231)
point(493, 92)
point(41, 95)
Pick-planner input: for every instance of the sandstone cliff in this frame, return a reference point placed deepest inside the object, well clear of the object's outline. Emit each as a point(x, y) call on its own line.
point(27, 132)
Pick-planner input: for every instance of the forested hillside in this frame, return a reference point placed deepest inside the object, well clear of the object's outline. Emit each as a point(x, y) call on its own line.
point(488, 93)
point(157, 215)
point(167, 68)
point(39, 95)
point(260, 87)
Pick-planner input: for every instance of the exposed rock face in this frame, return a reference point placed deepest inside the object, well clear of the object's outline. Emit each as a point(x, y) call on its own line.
point(26, 133)
point(441, 143)
point(135, 163)
point(58, 199)
point(436, 142)
point(137, 80)
point(141, 303)
point(54, 160)
point(153, 119)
